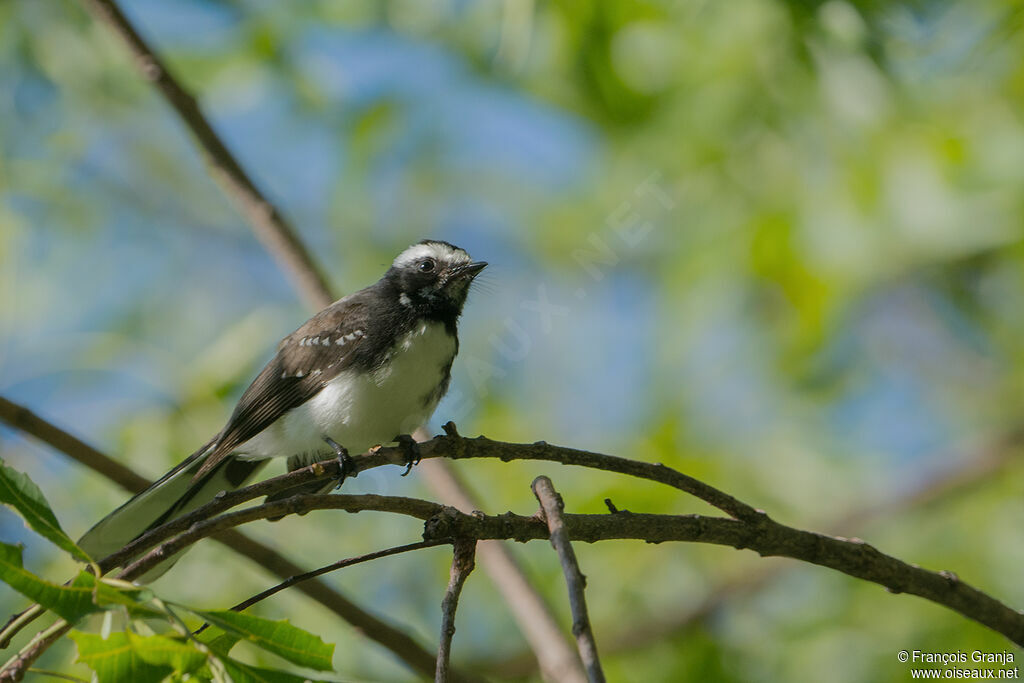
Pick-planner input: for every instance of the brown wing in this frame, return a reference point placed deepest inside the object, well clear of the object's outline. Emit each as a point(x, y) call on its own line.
point(306, 361)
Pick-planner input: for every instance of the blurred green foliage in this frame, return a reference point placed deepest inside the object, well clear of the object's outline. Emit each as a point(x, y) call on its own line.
point(783, 240)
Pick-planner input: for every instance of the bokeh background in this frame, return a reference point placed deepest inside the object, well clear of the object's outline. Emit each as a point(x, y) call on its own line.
point(779, 244)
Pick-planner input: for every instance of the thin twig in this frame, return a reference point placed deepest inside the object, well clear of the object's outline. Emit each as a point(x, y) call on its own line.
point(17, 622)
point(551, 505)
point(548, 647)
point(401, 644)
point(334, 566)
point(462, 564)
point(270, 226)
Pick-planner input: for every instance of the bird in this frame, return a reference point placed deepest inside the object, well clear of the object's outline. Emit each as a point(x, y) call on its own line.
point(368, 369)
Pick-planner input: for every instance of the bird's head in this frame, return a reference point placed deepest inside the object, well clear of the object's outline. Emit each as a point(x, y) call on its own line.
point(433, 275)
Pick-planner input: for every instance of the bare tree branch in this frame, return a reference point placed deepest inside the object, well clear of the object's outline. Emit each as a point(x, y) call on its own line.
point(982, 462)
point(463, 555)
point(767, 537)
point(551, 505)
point(268, 223)
point(14, 669)
point(853, 557)
point(548, 648)
point(452, 446)
point(296, 505)
point(389, 636)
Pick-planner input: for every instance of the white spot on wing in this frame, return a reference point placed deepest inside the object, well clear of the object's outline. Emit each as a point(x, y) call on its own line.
point(358, 409)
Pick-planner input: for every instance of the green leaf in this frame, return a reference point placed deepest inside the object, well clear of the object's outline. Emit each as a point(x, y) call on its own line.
point(72, 601)
point(245, 673)
point(217, 640)
point(21, 493)
point(115, 660)
point(108, 596)
point(287, 641)
point(179, 654)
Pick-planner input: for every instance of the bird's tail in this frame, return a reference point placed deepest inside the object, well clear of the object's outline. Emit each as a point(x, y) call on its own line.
point(173, 495)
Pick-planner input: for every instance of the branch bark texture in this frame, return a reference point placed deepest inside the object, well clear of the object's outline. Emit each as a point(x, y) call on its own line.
point(551, 506)
point(462, 564)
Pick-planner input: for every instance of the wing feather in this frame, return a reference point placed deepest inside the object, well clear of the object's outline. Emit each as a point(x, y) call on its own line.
point(305, 362)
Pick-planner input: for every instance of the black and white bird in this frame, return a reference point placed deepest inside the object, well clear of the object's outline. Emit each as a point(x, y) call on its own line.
point(365, 370)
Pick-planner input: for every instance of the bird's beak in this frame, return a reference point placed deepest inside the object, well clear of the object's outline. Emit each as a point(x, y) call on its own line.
point(467, 271)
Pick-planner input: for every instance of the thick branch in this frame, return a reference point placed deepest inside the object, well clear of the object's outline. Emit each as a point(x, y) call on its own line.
point(270, 226)
point(296, 505)
point(768, 538)
point(452, 446)
point(462, 565)
point(551, 505)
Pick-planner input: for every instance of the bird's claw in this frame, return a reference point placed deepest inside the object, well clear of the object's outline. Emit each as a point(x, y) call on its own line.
point(346, 465)
point(411, 449)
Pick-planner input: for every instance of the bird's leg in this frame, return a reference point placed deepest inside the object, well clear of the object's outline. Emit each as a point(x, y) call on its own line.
point(346, 464)
point(411, 449)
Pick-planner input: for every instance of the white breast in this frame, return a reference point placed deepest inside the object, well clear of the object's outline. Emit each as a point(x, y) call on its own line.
point(360, 410)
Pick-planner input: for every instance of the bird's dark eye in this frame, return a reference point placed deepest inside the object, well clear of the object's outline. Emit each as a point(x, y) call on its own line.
point(427, 265)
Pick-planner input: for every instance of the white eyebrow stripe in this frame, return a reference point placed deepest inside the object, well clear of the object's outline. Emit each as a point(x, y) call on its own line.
point(436, 250)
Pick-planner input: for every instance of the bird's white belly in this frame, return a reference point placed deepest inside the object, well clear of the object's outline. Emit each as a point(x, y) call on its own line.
point(359, 409)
